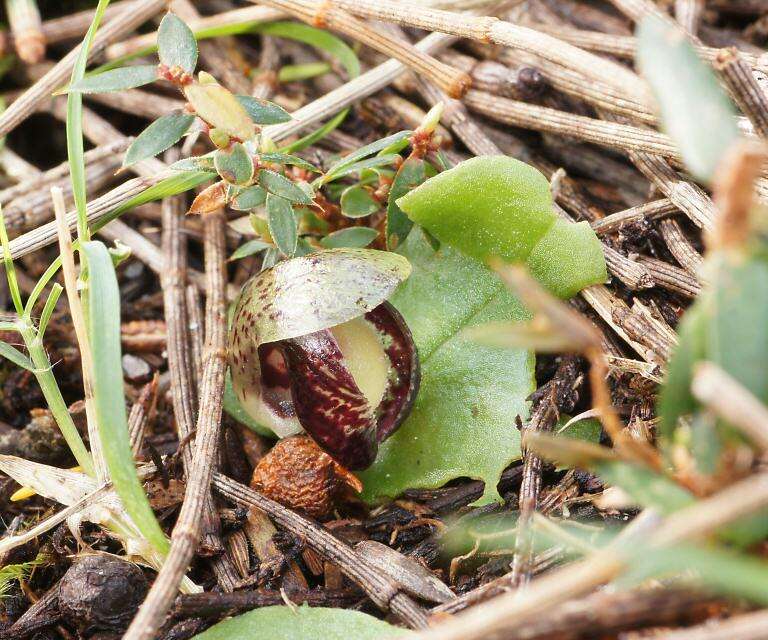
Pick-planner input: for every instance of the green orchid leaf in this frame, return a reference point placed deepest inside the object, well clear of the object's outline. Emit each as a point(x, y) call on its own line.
point(279, 185)
point(410, 174)
point(463, 419)
point(176, 44)
point(234, 165)
point(695, 111)
point(162, 134)
point(263, 111)
point(497, 206)
point(351, 237)
point(356, 202)
point(117, 79)
point(302, 623)
point(282, 224)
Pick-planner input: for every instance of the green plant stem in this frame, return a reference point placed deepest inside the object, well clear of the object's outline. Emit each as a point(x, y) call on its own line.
point(53, 397)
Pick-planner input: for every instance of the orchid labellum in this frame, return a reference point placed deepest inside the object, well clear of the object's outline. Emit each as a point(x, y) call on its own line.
point(315, 347)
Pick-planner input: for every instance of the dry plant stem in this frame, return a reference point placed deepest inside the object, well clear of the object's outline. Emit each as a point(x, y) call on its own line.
point(138, 418)
point(136, 102)
point(731, 401)
point(26, 29)
point(515, 609)
point(186, 533)
point(651, 345)
point(134, 14)
point(381, 589)
point(265, 81)
point(490, 29)
point(688, 197)
point(609, 134)
point(183, 368)
point(605, 613)
point(454, 115)
point(748, 94)
point(33, 209)
point(747, 626)
point(74, 25)
point(81, 332)
point(218, 604)
point(38, 182)
point(543, 418)
point(671, 277)
point(649, 211)
point(626, 46)
point(680, 247)
point(326, 15)
point(196, 327)
point(144, 249)
point(226, 18)
point(583, 87)
point(688, 14)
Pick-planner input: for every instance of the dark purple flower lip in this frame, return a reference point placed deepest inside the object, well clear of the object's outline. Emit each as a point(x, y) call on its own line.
point(326, 399)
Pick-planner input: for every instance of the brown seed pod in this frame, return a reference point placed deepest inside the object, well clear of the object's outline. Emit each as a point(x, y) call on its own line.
point(300, 475)
point(314, 347)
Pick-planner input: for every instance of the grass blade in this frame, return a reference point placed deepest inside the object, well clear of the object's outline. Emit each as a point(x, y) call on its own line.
point(104, 332)
point(75, 150)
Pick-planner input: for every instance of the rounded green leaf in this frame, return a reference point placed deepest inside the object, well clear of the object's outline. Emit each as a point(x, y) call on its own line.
point(263, 111)
point(302, 623)
point(497, 206)
point(463, 420)
point(176, 45)
point(162, 134)
point(281, 186)
point(219, 108)
point(282, 224)
point(485, 206)
point(117, 79)
point(234, 165)
point(568, 258)
point(351, 237)
point(356, 202)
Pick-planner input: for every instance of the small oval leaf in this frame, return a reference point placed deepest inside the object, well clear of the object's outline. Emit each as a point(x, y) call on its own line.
point(351, 237)
point(283, 187)
point(176, 44)
point(368, 150)
point(264, 111)
point(249, 198)
point(248, 249)
point(210, 199)
point(356, 202)
point(162, 134)
point(285, 158)
point(219, 108)
point(282, 224)
point(234, 165)
point(116, 79)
